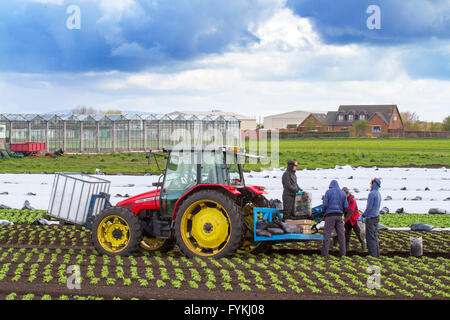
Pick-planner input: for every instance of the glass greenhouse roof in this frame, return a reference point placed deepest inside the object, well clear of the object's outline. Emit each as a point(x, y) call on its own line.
point(115, 117)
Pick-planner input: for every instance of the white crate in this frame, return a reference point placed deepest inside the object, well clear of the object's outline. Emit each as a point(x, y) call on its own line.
point(71, 196)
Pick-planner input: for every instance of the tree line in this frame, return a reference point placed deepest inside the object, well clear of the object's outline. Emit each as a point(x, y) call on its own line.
point(91, 111)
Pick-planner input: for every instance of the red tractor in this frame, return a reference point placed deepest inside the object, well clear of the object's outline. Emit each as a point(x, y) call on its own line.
point(201, 203)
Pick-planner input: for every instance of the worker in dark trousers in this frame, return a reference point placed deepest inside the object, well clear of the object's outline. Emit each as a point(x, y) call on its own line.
point(372, 217)
point(351, 219)
point(334, 206)
point(290, 188)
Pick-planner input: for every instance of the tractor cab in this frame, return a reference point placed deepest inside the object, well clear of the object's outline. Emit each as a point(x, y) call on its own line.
point(198, 168)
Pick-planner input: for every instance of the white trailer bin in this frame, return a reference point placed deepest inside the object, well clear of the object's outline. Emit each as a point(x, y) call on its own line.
point(72, 194)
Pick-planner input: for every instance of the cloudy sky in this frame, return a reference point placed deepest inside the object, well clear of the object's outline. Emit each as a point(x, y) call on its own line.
point(255, 57)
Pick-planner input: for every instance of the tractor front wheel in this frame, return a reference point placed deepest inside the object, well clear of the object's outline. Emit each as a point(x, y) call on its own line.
point(116, 231)
point(208, 224)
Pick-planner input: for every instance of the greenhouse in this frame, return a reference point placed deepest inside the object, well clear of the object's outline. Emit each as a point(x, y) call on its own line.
point(117, 132)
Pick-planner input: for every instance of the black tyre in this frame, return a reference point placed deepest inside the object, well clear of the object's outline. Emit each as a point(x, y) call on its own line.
point(157, 244)
point(116, 231)
point(208, 224)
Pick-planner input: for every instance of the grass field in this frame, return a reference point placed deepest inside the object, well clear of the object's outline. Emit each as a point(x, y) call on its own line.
point(310, 153)
point(327, 153)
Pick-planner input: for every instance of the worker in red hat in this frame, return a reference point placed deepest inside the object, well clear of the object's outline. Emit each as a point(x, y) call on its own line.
point(351, 219)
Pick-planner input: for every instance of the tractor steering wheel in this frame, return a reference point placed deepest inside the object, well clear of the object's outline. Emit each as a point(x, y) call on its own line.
point(178, 183)
point(183, 181)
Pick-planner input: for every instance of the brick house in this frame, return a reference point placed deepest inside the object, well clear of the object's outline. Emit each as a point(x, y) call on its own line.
point(316, 122)
point(381, 118)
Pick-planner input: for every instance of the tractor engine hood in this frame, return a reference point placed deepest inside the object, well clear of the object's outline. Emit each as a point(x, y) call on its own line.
point(256, 189)
point(143, 201)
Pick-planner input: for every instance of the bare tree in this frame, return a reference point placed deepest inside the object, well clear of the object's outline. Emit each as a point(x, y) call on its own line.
point(411, 121)
point(84, 110)
point(409, 116)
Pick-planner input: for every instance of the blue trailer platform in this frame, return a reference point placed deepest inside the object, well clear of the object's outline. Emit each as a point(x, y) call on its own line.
point(266, 214)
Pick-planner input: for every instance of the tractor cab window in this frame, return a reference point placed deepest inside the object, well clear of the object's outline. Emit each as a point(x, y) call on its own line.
point(233, 171)
point(181, 172)
point(234, 175)
point(180, 177)
point(214, 170)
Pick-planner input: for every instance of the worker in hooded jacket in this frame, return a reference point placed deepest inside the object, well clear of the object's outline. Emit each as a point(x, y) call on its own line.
point(372, 217)
point(290, 188)
point(334, 206)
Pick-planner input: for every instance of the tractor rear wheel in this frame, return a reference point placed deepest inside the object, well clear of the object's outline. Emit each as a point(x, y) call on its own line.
point(116, 231)
point(208, 224)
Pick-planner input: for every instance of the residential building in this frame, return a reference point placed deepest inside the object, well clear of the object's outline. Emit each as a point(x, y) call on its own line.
point(285, 120)
point(381, 118)
point(316, 122)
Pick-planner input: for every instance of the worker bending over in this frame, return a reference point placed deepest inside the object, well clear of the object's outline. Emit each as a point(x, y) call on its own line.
point(351, 221)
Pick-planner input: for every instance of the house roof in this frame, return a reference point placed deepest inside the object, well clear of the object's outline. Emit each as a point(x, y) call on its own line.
point(330, 117)
point(290, 115)
point(321, 117)
point(381, 115)
point(385, 112)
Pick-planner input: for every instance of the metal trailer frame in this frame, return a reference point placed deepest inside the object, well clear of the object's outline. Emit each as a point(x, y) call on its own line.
point(90, 214)
point(96, 200)
point(267, 214)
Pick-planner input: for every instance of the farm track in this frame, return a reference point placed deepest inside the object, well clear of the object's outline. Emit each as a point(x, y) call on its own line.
point(34, 261)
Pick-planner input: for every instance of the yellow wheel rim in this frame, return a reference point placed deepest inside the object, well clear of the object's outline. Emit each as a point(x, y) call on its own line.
point(205, 228)
point(248, 246)
point(152, 244)
point(113, 234)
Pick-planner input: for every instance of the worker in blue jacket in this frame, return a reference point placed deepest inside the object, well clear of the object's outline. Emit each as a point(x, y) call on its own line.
point(372, 217)
point(335, 204)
